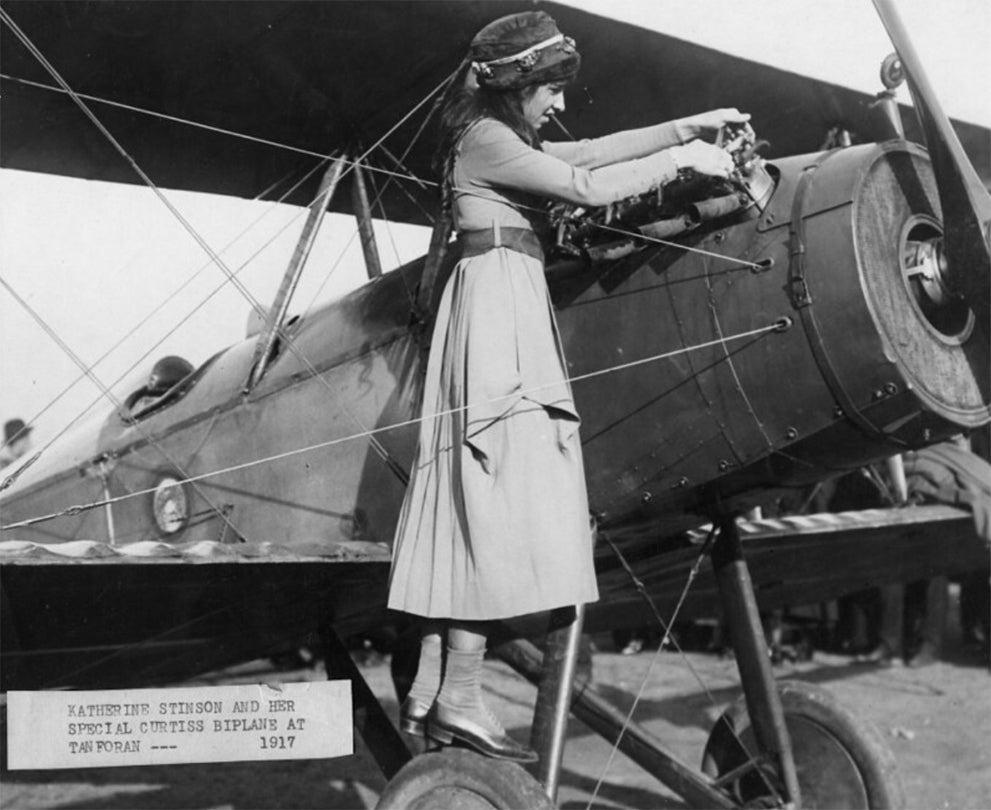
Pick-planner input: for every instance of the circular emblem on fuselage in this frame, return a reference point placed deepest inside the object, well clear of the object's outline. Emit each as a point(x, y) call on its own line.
point(170, 506)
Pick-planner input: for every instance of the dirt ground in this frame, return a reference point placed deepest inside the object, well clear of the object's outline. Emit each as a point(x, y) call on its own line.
point(937, 720)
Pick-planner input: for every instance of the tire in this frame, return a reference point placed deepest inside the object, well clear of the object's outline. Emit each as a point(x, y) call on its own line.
point(842, 761)
point(460, 779)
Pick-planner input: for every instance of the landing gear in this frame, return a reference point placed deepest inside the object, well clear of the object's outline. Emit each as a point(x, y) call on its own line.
point(462, 779)
point(785, 745)
point(841, 760)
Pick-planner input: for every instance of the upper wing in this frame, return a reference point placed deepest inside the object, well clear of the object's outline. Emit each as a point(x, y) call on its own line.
point(319, 77)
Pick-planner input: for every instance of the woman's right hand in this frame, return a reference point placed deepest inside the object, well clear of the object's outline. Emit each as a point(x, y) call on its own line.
point(704, 158)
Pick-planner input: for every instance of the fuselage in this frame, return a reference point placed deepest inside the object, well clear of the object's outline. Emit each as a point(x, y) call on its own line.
point(737, 386)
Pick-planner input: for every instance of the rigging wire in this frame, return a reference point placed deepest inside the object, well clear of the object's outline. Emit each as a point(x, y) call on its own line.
point(187, 226)
point(728, 357)
point(109, 395)
point(776, 326)
point(692, 574)
point(379, 193)
point(208, 127)
point(392, 238)
point(376, 445)
point(422, 182)
point(161, 305)
point(5, 17)
point(667, 627)
point(232, 280)
point(668, 243)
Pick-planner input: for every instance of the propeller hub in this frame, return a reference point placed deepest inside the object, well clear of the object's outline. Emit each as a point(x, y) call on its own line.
point(925, 271)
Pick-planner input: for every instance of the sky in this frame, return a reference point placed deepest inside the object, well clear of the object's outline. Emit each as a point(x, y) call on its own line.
point(94, 260)
point(840, 41)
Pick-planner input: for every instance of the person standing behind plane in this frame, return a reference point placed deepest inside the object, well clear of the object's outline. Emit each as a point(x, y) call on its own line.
point(495, 522)
point(16, 441)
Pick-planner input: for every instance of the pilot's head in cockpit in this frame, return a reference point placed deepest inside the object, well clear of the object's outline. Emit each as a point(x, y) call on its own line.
point(166, 373)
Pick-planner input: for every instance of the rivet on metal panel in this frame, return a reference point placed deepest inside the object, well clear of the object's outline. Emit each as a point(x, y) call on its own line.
point(719, 236)
point(681, 483)
point(791, 433)
point(646, 497)
point(878, 394)
point(724, 465)
point(890, 388)
point(838, 412)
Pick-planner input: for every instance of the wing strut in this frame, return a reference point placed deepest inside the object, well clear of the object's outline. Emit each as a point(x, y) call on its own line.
point(554, 693)
point(277, 313)
point(363, 213)
point(637, 742)
point(740, 609)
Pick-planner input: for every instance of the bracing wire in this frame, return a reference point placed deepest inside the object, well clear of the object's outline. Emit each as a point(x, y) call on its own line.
point(692, 575)
point(231, 277)
point(396, 175)
point(158, 308)
point(776, 326)
point(667, 627)
point(393, 175)
point(108, 394)
point(368, 433)
point(215, 258)
point(209, 127)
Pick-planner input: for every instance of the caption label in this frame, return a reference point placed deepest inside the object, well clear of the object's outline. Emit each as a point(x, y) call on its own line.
point(233, 723)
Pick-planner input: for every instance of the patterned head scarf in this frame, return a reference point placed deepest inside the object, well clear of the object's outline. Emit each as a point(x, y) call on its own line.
point(522, 49)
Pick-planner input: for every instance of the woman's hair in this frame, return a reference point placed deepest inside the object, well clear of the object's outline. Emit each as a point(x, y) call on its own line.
point(468, 104)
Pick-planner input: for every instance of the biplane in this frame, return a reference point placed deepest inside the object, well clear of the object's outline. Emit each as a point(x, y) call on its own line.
point(826, 308)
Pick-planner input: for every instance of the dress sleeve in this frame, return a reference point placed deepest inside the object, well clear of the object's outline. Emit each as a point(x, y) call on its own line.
point(493, 155)
point(626, 145)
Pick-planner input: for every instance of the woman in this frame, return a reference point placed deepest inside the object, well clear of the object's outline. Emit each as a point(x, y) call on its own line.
point(495, 522)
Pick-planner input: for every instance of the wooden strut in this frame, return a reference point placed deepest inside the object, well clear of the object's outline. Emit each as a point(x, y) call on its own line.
point(380, 736)
point(277, 313)
point(363, 213)
point(739, 604)
point(550, 714)
point(553, 673)
point(606, 720)
point(426, 298)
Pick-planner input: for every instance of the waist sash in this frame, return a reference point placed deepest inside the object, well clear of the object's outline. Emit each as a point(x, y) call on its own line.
point(522, 240)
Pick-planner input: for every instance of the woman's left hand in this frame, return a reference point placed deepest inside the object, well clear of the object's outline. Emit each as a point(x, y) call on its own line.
point(714, 120)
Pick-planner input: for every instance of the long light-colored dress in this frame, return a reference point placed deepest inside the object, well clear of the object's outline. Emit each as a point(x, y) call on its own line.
point(495, 522)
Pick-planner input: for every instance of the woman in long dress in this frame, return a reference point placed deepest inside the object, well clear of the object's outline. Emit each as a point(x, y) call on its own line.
point(495, 522)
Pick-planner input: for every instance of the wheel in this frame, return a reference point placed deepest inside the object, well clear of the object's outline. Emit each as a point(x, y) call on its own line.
point(462, 780)
point(842, 761)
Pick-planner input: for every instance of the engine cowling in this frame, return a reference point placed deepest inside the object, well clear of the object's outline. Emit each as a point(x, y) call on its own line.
point(879, 357)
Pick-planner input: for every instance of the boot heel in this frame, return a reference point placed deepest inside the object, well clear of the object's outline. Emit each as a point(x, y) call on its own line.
point(412, 726)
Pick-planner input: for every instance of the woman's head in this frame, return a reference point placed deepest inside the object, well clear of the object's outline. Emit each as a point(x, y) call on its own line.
point(521, 50)
point(519, 67)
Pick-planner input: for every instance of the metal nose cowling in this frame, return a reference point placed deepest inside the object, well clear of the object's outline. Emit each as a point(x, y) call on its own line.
point(918, 224)
point(930, 332)
point(901, 353)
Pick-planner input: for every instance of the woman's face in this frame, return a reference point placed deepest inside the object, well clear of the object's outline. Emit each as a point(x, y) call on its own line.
point(546, 100)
